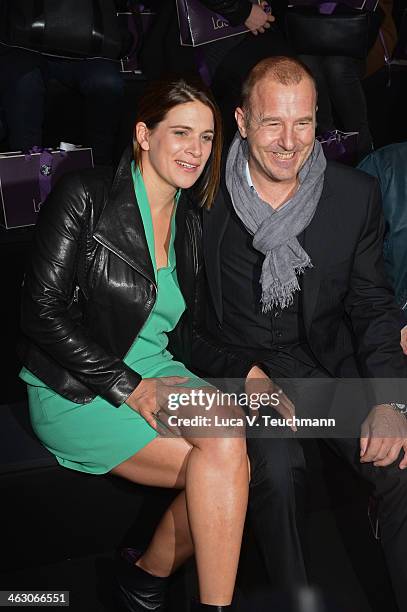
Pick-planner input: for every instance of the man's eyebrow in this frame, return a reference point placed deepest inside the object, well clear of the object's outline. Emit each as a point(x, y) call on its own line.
point(271, 118)
point(188, 127)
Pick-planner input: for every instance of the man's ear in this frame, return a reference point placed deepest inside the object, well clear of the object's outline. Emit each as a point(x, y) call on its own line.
point(142, 134)
point(241, 121)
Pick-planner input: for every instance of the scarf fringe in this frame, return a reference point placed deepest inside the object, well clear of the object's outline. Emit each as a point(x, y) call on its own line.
point(282, 296)
point(279, 296)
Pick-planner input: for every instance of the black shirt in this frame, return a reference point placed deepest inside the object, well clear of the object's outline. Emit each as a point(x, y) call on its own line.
point(244, 324)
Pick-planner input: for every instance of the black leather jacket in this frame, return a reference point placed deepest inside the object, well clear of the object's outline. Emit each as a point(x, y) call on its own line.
point(90, 287)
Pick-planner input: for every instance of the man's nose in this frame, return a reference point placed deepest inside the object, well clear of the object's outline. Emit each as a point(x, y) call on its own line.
point(287, 138)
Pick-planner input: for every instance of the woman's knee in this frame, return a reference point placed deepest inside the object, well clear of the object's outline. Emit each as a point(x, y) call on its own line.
point(225, 452)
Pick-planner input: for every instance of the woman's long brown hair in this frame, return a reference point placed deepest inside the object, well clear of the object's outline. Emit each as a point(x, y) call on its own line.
point(159, 98)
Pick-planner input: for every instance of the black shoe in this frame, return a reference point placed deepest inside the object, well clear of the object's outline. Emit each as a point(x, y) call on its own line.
point(139, 591)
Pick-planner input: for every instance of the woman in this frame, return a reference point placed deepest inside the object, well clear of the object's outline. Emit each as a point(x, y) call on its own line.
point(112, 268)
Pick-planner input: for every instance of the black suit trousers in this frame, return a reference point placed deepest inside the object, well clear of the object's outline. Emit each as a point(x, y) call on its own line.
point(279, 481)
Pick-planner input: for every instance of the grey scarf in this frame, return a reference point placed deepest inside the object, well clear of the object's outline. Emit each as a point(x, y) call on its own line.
point(275, 231)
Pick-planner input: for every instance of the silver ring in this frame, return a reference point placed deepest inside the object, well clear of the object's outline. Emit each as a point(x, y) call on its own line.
point(280, 392)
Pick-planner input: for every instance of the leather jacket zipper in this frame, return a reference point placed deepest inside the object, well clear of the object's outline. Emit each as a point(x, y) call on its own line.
point(194, 240)
point(109, 248)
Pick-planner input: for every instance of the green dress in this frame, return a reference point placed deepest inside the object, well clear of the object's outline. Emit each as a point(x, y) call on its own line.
point(97, 436)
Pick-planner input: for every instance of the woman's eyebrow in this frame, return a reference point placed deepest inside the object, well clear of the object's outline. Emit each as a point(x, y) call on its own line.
point(187, 127)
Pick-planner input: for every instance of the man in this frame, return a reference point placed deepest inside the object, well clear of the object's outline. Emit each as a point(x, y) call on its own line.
point(296, 280)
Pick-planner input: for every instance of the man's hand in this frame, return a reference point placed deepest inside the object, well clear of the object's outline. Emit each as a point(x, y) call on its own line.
point(258, 382)
point(259, 21)
point(403, 340)
point(383, 435)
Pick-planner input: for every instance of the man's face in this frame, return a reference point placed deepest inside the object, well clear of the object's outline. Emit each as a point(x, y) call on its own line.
point(280, 129)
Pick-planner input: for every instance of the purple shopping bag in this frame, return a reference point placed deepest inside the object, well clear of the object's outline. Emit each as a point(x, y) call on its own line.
point(340, 146)
point(26, 180)
point(199, 26)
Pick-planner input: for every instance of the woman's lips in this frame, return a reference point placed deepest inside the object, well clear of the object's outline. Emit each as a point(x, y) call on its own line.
point(188, 167)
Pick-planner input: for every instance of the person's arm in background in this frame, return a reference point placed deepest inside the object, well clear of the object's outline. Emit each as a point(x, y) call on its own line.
point(255, 18)
point(388, 165)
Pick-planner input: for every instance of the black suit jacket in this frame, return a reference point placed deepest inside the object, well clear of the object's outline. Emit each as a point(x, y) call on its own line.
point(348, 305)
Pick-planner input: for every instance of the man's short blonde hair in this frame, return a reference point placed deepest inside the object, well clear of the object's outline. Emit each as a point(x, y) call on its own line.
point(280, 69)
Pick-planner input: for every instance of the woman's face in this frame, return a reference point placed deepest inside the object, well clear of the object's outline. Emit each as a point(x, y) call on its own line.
point(177, 149)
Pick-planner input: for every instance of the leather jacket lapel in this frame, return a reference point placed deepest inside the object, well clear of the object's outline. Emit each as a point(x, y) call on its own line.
point(123, 233)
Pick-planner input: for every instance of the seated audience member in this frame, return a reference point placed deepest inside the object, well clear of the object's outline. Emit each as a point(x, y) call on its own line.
point(341, 98)
point(111, 272)
point(23, 84)
point(389, 166)
point(227, 60)
point(296, 283)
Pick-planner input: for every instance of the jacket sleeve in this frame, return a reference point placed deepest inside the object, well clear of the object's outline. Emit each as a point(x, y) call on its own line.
point(48, 295)
point(235, 11)
point(372, 309)
point(207, 354)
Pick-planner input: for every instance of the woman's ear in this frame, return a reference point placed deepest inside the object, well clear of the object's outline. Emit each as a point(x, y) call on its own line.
point(142, 134)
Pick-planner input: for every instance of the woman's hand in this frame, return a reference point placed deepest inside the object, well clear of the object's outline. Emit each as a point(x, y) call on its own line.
point(258, 382)
point(259, 21)
point(151, 395)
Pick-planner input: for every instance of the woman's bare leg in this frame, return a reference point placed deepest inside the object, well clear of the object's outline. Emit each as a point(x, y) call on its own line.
point(214, 472)
point(219, 469)
point(163, 464)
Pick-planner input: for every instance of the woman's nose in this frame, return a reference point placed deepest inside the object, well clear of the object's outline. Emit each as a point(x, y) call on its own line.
point(195, 147)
